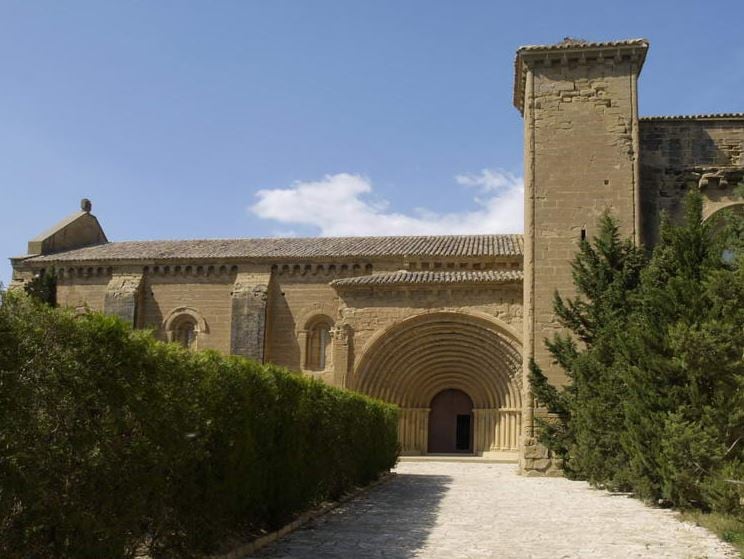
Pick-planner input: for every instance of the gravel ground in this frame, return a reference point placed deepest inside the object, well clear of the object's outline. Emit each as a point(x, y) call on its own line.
point(477, 510)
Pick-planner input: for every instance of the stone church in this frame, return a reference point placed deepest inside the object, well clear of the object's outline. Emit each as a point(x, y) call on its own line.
point(442, 326)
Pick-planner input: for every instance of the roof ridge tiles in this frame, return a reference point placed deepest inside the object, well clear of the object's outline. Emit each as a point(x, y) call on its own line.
point(702, 116)
point(432, 277)
point(581, 44)
point(297, 247)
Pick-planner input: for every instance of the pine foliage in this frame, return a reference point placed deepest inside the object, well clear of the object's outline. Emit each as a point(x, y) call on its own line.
point(588, 412)
point(654, 355)
point(685, 367)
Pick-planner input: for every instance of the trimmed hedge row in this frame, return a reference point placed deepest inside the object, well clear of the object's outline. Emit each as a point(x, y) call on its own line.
point(112, 443)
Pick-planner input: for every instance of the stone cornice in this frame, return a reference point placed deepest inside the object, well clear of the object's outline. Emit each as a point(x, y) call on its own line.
point(573, 51)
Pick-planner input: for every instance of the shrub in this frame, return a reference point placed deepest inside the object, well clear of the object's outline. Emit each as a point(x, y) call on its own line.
point(112, 442)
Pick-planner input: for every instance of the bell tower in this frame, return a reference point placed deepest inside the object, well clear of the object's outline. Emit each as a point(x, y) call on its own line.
point(580, 107)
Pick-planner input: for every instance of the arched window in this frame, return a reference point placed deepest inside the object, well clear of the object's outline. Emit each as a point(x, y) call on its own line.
point(184, 326)
point(184, 332)
point(318, 350)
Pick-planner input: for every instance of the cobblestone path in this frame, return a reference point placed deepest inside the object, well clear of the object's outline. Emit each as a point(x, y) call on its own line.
point(477, 510)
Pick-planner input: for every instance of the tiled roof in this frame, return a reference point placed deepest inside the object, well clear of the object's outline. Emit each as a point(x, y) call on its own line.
point(567, 45)
point(317, 247)
point(431, 277)
point(711, 116)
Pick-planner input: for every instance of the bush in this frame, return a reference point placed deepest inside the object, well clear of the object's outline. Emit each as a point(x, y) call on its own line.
point(112, 442)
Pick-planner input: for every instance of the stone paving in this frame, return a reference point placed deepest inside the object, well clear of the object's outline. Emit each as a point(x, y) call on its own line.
point(478, 510)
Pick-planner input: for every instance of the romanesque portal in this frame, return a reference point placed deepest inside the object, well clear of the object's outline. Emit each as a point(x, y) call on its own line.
point(414, 361)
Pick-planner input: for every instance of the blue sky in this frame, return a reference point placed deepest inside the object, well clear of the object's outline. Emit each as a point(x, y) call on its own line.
point(236, 119)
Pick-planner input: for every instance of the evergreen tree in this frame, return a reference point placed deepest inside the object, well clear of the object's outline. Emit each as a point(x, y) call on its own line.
point(588, 413)
point(684, 414)
point(554, 432)
point(654, 356)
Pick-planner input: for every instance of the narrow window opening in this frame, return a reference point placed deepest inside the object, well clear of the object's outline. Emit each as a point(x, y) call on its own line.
point(185, 333)
point(318, 346)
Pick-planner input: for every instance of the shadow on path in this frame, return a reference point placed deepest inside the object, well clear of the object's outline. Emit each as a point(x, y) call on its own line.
point(393, 520)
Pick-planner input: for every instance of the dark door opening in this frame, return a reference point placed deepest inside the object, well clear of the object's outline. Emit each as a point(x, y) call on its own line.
point(451, 423)
point(462, 437)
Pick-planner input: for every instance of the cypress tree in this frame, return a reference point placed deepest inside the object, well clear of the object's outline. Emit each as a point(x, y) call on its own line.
point(588, 413)
point(654, 355)
point(684, 411)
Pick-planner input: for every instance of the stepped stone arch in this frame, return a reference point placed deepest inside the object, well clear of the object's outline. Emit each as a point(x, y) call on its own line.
point(177, 317)
point(414, 360)
point(717, 219)
point(710, 214)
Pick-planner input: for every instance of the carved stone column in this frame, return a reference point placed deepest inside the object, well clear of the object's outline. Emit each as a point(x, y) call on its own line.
point(249, 309)
point(123, 296)
point(413, 430)
point(482, 436)
point(302, 342)
point(342, 337)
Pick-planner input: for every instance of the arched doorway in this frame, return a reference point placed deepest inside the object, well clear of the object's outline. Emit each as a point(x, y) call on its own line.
point(451, 422)
point(413, 361)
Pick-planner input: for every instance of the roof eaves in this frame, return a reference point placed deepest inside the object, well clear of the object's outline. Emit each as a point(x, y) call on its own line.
point(709, 116)
point(423, 278)
point(561, 51)
point(267, 250)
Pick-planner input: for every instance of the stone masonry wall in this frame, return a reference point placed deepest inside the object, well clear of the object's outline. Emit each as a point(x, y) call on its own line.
point(674, 153)
point(293, 301)
point(80, 292)
point(371, 311)
point(581, 145)
point(581, 128)
point(208, 295)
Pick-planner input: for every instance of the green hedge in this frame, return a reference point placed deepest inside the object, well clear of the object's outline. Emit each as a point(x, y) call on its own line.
point(111, 441)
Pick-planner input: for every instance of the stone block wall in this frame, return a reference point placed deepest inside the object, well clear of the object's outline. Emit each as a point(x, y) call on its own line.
point(123, 296)
point(580, 108)
point(581, 128)
point(209, 295)
point(676, 153)
point(293, 302)
point(84, 290)
point(371, 311)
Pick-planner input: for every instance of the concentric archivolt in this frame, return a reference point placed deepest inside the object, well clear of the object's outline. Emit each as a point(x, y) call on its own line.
point(414, 360)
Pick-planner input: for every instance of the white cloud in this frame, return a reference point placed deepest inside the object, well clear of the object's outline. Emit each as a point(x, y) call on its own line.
point(344, 204)
point(489, 180)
